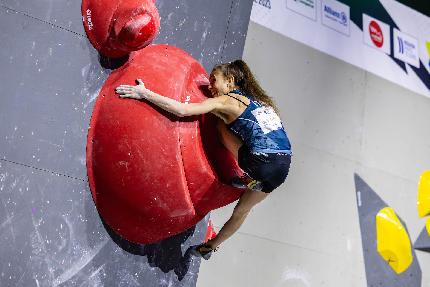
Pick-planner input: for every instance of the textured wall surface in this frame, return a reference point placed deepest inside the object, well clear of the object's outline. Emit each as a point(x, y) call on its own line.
point(50, 232)
point(341, 120)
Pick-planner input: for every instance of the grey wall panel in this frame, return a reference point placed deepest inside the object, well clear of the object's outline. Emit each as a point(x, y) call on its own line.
point(204, 28)
point(52, 80)
point(50, 232)
point(378, 271)
point(54, 77)
point(234, 36)
point(211, 31)
point(62, 13)
point(51, 235)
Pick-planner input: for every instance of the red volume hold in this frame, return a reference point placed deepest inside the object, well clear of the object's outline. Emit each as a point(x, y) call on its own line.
point(152, 174)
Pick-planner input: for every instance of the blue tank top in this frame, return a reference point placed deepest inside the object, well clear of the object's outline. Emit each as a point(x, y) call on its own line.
point(260, 128)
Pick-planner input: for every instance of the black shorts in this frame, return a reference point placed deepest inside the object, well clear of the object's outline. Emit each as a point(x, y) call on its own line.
point(269, 168)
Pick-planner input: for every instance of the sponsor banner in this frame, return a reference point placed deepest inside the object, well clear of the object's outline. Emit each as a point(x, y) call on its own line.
point(265, 3)
point(335, 15)
point(305, 7)
point(376, 34)
point(386, 38)
point(406, 48)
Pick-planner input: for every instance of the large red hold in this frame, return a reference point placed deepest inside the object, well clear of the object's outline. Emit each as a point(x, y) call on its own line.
point(152, 174)
point(116, 28)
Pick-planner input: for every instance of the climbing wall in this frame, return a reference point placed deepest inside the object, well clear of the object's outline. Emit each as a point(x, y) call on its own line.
point(50, 231)
point(342, 120)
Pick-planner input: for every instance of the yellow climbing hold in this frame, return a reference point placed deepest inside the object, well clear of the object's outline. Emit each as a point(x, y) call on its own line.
point(428, 226)
point(393, 242)
point(423, 202)
point(428, 48)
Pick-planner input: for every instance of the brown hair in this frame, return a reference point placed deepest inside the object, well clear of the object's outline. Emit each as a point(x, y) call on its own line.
point(245, 80)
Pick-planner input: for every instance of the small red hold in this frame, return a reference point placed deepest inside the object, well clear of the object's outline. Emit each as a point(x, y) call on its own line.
point(116, 28)
point(210, 232)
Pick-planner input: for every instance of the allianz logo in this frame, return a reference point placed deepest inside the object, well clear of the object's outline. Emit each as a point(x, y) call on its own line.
point(341, 16)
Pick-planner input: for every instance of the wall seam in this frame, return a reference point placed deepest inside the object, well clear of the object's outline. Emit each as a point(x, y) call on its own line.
point(40, 20)
point(43, 170)
point(226, 31)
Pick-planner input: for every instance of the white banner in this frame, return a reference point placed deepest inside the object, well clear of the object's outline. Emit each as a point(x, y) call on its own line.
point(390, 40)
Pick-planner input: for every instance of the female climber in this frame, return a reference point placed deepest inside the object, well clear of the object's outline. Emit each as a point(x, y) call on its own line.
point(250, 128)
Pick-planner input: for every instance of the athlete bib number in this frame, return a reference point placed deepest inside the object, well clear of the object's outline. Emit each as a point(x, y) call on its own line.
point(267, 119)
